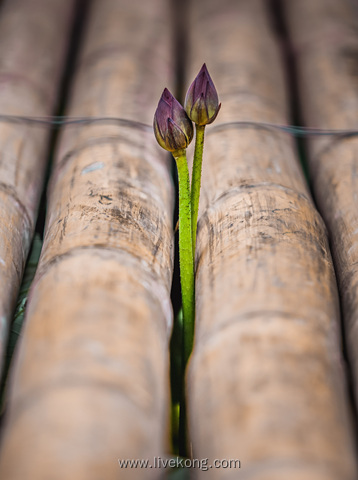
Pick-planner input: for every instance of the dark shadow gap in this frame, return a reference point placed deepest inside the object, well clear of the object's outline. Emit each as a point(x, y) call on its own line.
point(74, 45)
point(276, 13)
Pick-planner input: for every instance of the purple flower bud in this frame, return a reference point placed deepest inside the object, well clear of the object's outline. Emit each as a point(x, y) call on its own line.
point(172, 127)
point(201, 101)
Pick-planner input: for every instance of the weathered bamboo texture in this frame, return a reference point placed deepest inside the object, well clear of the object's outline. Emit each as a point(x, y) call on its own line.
point(325, 39)
point(265, 383)
point(33, 41)
point(91, 382)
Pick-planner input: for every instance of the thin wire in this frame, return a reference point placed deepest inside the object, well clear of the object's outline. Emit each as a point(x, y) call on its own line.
point(59, 121)
point(294, 130)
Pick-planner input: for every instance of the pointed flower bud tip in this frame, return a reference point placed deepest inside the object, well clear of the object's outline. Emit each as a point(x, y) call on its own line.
point(201, 101)
point(172, 127)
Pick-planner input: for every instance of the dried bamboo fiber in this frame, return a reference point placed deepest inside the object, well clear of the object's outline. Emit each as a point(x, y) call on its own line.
point(325, 40)
point(265, 383)
point(32, 47)
point(91, 382)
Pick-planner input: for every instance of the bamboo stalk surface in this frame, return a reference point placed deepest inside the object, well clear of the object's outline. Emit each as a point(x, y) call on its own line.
point(325, 41)
point(91, 382)
point(33, 41)
point(265, 383)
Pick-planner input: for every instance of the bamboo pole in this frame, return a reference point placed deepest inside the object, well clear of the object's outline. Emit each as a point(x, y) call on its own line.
point(91, 382)
point(265, 383)
point(33, 41)
point(325, 39)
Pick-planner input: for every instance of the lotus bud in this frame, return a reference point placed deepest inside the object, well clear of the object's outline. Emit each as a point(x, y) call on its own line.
point(201, 101)
point(172, 127)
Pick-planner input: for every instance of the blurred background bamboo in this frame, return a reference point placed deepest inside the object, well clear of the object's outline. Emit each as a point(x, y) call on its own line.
point(33, 42)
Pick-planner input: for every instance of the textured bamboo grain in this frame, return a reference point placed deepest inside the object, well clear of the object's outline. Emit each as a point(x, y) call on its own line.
point(325, 40)
point(91, 380)
point(33, 41)
point(265, 383)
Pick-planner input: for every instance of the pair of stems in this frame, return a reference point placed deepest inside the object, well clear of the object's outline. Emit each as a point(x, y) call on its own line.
point(188, 218)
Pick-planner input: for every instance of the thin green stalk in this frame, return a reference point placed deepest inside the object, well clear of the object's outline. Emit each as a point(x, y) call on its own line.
point(196, 181)
point(186, 280)
point(185, 253)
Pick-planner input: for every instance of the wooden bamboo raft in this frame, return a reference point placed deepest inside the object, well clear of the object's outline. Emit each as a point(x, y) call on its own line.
point(266, 384)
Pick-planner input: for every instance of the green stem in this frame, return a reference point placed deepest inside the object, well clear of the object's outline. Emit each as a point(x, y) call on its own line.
point(196, 181)
point(185, 254)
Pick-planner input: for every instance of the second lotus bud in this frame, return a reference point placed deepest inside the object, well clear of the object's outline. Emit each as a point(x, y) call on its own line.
point(201, 101)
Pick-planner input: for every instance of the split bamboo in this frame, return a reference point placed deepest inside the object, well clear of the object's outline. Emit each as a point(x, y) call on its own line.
point(33, 43)
point(91, 381)
point(325, 40)
point(265, 383)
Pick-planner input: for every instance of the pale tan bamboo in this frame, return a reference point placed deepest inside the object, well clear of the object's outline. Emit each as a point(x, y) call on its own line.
point(91, 380)
point(325, 39)
point(265, 383)
point(33, 41)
